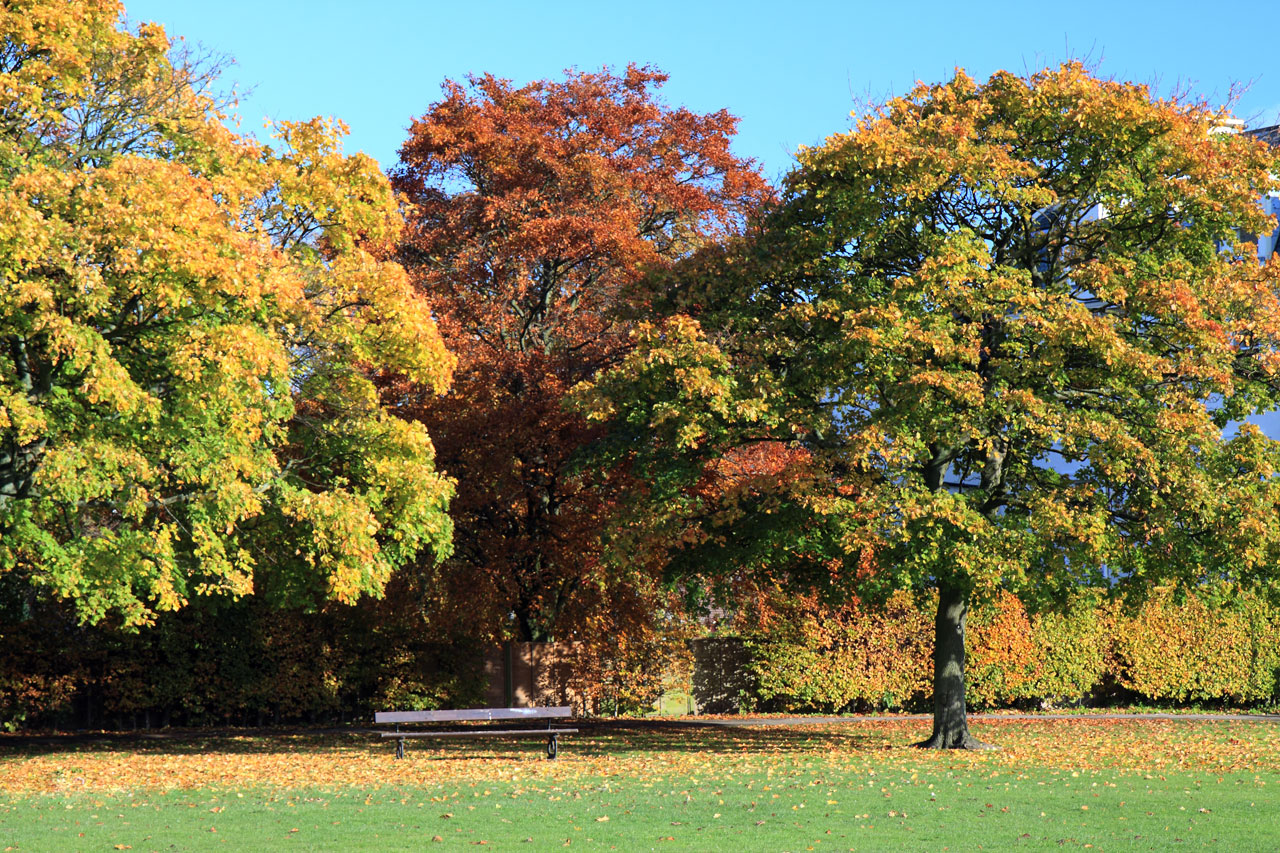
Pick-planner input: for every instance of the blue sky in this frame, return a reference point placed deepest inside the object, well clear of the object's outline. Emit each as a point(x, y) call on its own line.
point(791, 73)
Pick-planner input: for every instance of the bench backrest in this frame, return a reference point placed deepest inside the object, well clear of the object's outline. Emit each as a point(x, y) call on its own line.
point(472, 714)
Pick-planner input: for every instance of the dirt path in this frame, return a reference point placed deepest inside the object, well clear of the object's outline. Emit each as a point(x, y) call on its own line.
point(749, 721)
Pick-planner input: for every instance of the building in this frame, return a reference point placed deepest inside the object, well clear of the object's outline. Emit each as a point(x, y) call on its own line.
point(1268, 244)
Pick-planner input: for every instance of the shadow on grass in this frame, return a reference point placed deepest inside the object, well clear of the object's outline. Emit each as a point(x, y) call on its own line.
point(594, 738)
point(617, 737)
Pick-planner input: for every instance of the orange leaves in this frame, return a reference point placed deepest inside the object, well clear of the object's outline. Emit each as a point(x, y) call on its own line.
point(765, 466)
point(864, 657)
point(1004, 656)
point(766, 759)
point(983, 288)
point(1014, 294)
point(536, 212)
point(855, 654)
point(576, 187)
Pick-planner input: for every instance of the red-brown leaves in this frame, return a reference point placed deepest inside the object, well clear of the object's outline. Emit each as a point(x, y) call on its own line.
point(534, 207)
point(535, 212)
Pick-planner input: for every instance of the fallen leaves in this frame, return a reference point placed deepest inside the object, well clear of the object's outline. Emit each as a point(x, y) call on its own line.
point(650, 754)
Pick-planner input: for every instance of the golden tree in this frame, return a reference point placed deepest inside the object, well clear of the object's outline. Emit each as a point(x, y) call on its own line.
point(186, 323)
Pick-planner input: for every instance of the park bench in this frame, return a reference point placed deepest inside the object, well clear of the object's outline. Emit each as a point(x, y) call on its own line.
point(495, 717)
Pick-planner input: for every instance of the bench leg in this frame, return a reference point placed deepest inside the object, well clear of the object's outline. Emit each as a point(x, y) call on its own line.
point(553, 746)
point(399, 747)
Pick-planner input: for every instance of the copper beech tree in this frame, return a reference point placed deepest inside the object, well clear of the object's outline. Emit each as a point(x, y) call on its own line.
point(1007, 323)
point(187, 323)
point(534, 211)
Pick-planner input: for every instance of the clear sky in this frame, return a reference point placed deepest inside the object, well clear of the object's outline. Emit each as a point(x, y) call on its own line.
point(791, 72)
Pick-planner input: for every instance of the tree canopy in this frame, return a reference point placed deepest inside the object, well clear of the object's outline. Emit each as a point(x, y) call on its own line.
point(187, 327)
point(535, 211)
point(1000, 327)
point(1000, 337)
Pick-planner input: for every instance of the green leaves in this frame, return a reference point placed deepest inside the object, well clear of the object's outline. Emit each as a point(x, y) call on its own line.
point(188, 324)
point(999, 310)
point(994, 319)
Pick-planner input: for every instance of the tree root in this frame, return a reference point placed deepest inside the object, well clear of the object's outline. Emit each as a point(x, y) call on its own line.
point(967, 741)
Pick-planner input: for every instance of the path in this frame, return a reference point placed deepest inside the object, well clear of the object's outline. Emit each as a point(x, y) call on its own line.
point(749, 721)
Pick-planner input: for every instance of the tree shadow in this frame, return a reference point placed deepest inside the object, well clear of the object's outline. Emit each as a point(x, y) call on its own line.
point(620, 737)
point(594, 737)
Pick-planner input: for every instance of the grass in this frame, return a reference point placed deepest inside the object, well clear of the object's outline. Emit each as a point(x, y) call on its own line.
point(1056, 784)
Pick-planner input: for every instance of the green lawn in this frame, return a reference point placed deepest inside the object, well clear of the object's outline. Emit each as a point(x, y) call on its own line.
point(1209, 785)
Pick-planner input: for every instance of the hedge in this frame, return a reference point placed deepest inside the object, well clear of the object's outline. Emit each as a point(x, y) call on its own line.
point(220, 663)
point(244, 663)
point(1207, 647)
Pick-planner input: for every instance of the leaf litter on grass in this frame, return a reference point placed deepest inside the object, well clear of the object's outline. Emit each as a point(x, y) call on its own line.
point(641, 755)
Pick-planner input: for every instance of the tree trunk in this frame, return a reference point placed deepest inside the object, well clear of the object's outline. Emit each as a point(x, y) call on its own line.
point(950, 720)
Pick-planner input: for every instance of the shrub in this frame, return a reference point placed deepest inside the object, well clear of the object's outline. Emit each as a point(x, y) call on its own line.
point(1074, 647)
point(834, 659)
point(1003, 656)
point(1209, 646)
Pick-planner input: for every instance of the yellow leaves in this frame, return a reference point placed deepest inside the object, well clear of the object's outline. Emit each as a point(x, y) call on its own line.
point(19, 414)
point(786, 758)
point(61, 40)
point(229, 354)
point(962, 388)
point(690, 378)
point(347, 198)
point(1190, 649)
point(368, 308)
point(174, 293)
point(79, 471)
point(163, 590)
point(342, 545)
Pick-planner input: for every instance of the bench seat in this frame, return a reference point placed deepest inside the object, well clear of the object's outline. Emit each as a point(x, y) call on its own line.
point(479, 715)
point(485, 732)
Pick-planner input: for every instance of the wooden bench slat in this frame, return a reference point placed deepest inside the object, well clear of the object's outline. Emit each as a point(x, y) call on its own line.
point(478, 715)
point(485, 733)
point(474, 714)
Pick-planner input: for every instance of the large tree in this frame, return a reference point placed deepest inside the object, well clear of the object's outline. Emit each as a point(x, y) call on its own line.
point(535, 209)
point(187, 321)
point(1005, 324)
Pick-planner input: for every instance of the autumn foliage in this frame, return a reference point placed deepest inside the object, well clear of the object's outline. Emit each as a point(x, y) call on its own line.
point(1206, 648)
point(186, 329)
point(534, 212)
point(284, 437)
point(1009, 321)
point(250, 663)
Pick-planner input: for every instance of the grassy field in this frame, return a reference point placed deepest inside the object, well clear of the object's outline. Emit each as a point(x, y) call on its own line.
point(1102, 785)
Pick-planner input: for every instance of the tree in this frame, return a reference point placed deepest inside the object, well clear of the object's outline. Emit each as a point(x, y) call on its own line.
point(535, 209)
point(187, 322)
point(1008, 323)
